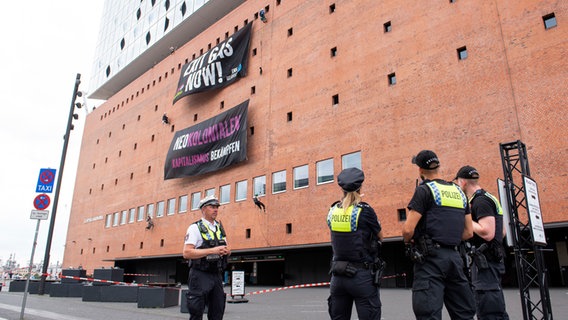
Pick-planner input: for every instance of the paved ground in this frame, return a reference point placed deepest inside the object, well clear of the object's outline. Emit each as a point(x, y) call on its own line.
point(297, 304)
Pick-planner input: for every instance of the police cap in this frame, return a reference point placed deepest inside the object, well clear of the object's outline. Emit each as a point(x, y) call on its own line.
point(350, 179)
point(209, 201)
point(467, 172)
point(426, 159)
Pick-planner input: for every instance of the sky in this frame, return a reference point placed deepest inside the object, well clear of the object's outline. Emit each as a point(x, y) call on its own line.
point(44, 44)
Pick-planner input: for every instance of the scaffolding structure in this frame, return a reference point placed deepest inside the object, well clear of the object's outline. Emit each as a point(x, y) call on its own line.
point(531, 270)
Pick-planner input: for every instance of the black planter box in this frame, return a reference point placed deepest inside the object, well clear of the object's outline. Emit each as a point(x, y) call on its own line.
point(66, 290)
point(115, 275)
point(81, 273)
point(157, 297)
point(91, 293)
point(119, 294)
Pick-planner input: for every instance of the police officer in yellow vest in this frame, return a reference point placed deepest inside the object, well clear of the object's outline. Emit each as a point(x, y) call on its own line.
point(206, 248)
point(437, 221)
point(487, 248)
point(356, 265)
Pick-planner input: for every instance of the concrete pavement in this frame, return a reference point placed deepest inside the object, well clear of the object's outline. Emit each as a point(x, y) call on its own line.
point(300, 303)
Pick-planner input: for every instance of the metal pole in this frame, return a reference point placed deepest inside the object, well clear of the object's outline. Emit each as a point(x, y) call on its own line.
point(29, 271)
point(58, 186)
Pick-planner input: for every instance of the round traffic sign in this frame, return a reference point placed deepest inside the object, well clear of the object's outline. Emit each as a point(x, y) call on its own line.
point(46, 176)
point(41, 201)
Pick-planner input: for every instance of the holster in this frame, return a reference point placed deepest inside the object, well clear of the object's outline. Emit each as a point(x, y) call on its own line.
point(478, 256)
point(342, 268)
point(378, 270)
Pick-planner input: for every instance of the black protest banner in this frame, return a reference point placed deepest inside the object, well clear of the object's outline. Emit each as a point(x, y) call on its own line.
point(209, 146)
point(218, 67)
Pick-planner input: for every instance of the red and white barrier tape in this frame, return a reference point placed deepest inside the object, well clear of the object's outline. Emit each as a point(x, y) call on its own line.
point(318, 284)
point(140, 275)
point(289, 287)
point(103, 281)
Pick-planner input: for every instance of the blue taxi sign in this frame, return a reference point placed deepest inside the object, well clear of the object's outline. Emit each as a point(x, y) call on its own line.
point(45, 180)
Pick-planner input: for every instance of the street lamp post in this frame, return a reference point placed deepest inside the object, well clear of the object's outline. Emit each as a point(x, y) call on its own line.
point(72, 116)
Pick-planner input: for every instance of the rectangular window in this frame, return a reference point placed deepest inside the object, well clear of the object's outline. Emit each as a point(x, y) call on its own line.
point(182, 204)
point(150, 210)
point(401, 214)
point(225, 193)
point(115, 219)
point(132, 215)
point(123, 217)
point(108, 223)
point(259, 185)
point(462, 53)
point(549, 21)
point(241, 190)
point(141, 213)
point(392, 79)
point(301, 177)
point(160, 209)
point(279, 181)
point(387, 27)
point(324, 170)
point(171, 206)
point(195, 198)
point(210, 192)
point(351, 160)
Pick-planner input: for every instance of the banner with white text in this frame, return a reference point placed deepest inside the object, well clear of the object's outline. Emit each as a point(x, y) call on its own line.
point(218, 67)
point(209, 146)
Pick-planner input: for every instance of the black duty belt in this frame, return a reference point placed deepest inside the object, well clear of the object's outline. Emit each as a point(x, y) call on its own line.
point(447, 246)
point(361, 265)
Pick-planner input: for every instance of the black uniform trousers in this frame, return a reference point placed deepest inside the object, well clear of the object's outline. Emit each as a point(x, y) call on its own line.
point(489, 298)
point(359, 289)
point(205, 287)
point(440, 280)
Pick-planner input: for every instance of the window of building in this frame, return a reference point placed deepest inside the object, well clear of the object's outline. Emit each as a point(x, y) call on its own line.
point(241, 190)
point(171, 206)
point(401, 214)
point(252, 90)
point(123, 217)
point(335, 99)
point(210, 192)
point(116, 216)
point(150, 210)
point(301, 177)
point(182, 204)
point(259, 185)
point(288, 228)
point(195, 198)
point(132, 215)
point(108, 223)
point(247, 233)
point(290, 32)
point(141, 213)
point(387, 26)
point(225, 193)
point(160, 209)
point(324, 171)
point(332, 8)
point(462, 53)
point(351, 160)
point(290, 72)
point(549, 21)
point(279, 181)
point(333, 52)
point(289, 116)
point(392, 79)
